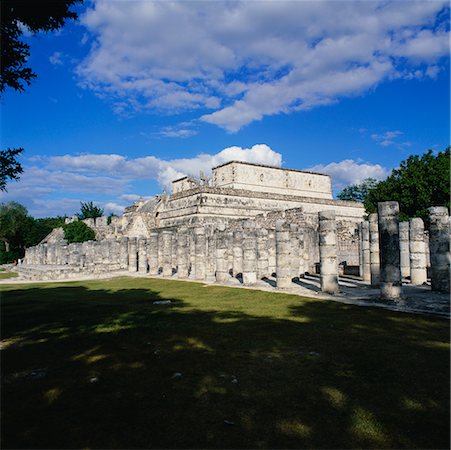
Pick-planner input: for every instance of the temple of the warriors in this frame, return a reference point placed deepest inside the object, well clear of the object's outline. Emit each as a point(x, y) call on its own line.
point(251, 222)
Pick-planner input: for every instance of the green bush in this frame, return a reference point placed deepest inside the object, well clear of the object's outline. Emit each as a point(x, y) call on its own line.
point(78, 232)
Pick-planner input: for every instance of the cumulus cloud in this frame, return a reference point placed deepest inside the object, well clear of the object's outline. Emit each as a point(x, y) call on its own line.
point(348, 172)
point(240, 61)
point(88, 175)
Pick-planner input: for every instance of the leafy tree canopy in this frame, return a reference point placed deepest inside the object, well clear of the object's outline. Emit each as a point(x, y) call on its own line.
point(89, 211)
point(10, 168)
point(36, 15)
point(18, 230)
point(418, 183)
point(78, 232)
point(357, 192)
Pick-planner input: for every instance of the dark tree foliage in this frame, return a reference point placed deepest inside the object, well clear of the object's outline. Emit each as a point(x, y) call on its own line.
point(357, 192)
point(89, 211)
point(418, 183)
point(9, 167)
point(78, 232)
point(36, 15)
point(18, 230)
point(110, 218)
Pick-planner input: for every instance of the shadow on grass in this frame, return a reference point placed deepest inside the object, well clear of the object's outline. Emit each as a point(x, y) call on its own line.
point(98, 368)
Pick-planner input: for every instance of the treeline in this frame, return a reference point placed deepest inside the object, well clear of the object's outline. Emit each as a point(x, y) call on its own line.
point(18, 230)
point(417, 184)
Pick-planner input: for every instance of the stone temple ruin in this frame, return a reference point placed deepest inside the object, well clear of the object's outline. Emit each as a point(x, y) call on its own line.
point(250, 223)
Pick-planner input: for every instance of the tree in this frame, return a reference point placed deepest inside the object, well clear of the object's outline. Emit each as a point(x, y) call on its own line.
point(89, 211)
point(78, 232)
point(9, 167)
point(357, 192)
point(36, 15)
point(418, 183)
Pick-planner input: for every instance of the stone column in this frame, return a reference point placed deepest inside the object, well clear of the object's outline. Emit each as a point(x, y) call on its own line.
point(142, 255)
point(250, 255)
point(132, 255)
point(152, 253)
point(237, 252)
point(166, 241)
point(200, 246)
point(295, 254)
point(302, 256)
point(390, 275)
point(283, 256)
point(262, 254)
point(182, 253)
point(374, 250)
point(439, 248)
point(359, 228)
point(192, 252)
point(404, 249)
point(229, 252)
point(222, 266)
point(210, 266)
point(123, 253)
point(328, 252)
point(418, 274)
point(366, 276)
point(271, 252)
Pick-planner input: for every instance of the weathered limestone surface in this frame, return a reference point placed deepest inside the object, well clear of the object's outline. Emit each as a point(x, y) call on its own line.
point(222, 265)
point(390, 274)
point(417, 250)
point(166, 241)
point(200, 253)
point(328, 252)
point(182, 253)
point(152, 253)
point(237, 252)
point(283, 256)
point(374, 250)
point(366, 263)
point(142, 255)
point(404, 249)
point(132, 255)
point(249, 254)
point(262, 254)
point(439, 248)
point(295, 250)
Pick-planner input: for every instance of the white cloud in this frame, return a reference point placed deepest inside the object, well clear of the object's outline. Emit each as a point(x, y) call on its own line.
point(389, 138)
point(89, 176)
point(244, 60)
point(56, 59)
point(348, 172)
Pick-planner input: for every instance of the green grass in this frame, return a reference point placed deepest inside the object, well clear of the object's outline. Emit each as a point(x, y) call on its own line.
point(5, 275)
point(92, 364)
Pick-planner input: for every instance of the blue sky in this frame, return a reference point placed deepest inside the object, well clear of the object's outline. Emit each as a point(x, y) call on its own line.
point(137, 93)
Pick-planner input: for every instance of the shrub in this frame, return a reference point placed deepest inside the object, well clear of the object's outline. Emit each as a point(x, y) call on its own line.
point(78, 232)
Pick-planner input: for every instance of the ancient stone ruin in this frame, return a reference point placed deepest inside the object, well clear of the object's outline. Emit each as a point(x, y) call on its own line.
point(250, 223)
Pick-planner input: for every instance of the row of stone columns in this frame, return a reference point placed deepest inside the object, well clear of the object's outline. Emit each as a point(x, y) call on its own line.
point(398, 249)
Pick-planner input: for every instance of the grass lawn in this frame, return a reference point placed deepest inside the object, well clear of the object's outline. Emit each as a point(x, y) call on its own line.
point(5, 275)
point(97, 365)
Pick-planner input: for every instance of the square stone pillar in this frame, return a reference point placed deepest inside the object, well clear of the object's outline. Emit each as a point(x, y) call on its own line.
point(249, 254)
point(152, 253)
point(328, 252)
point(237, 252)
point(374, 250)
point(182, 253)
point(132, 255)
point(418, 273)
point(283, 256)
point(404, 249)
point(142, 255)
point(123, 253)
point(439, 248)
point(390, 274)
point(222, 266)
point(271, 252)
point(200, 253)
point(294, 250)
point(166, 241)
point(262, 254)
point(366, 275)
